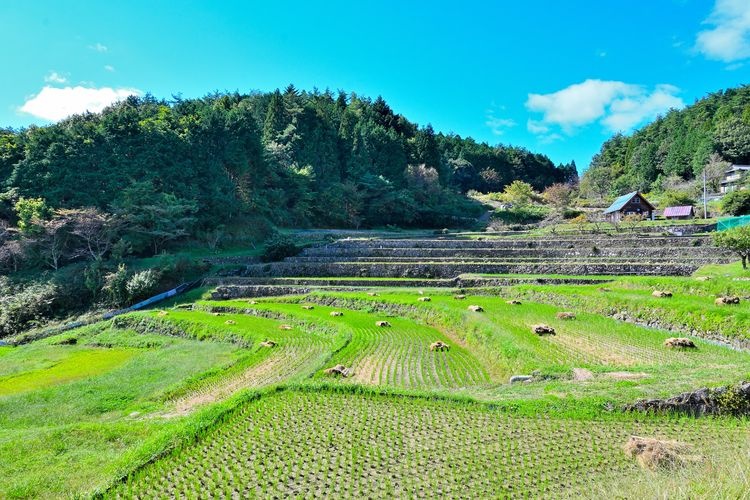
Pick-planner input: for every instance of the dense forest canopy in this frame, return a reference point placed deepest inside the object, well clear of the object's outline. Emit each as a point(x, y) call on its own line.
point(711, 133)
point(293, 158)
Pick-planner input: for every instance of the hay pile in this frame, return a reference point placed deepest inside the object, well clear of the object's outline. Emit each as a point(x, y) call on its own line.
point(383, 324)
point(542, 329)
point(459, 297)
point(655, 454)
point(513, 302)
point(308, 308)
point(727, 301)
point(285, 327)
point(662, 294)
point(476, 309)
point(439, 346)
point(424, 299)
point(336, 313)
point(268, 343)
point(680, 342)
point(230, 322)
point(566, 315)
point(338, 371)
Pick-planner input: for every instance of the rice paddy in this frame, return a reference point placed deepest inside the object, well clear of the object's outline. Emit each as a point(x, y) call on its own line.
point(279, 396)
point(321, 444)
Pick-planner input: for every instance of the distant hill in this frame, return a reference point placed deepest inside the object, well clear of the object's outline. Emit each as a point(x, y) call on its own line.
point(676, 146)
point(290, 157)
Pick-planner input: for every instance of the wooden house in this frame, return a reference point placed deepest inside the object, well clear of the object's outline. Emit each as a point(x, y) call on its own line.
point(629, 204)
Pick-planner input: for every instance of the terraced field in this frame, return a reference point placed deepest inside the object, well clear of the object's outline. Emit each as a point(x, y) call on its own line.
point(397, 355)
point(296, 354)
point(236, 398)
point(323, 444)
point(622, 254)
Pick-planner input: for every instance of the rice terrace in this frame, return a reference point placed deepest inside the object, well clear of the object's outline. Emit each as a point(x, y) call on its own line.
point(523, 271)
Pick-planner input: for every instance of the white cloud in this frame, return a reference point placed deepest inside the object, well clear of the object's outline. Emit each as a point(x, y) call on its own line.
point(729, 38)
point(109, 68)
point(53, 103)
point(99, 47)
point(496, 124)
point(618, 106)
point(627, 112)
point(499, 125)
point(536, 127)
point(55, 77)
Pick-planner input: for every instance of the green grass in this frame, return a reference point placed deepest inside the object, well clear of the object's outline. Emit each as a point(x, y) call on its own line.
point(73, 365)
point(249, 420)
point(398, 355)
point(73, 436)
point(319, 443)
point(502, 339)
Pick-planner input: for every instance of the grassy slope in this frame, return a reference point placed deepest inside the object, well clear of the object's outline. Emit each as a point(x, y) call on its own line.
point(78, 434)
point(502, 337)
point(60, 438)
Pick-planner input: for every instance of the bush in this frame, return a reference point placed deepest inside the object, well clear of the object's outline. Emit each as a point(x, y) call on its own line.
point(571, 213)
point(115, 284)
point(25, 307)
point(278, 248)
point(736, 203)
point(530, 214)
point(174, 271)
point(676, 197)
point(141, 285)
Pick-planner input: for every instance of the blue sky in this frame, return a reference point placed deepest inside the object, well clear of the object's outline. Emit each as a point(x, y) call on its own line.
point(555, 77)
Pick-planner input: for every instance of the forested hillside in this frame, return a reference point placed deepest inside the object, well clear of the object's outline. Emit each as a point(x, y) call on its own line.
point(293, 158)
point(711, 133)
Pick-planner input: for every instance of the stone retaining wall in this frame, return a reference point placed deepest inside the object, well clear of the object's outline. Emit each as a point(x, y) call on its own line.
point(435, 270)
point(731, 400)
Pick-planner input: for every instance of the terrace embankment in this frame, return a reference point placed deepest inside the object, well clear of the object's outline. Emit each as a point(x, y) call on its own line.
point(450, 257)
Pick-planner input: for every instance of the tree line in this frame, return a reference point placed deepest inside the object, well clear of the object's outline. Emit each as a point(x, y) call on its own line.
point(155, 172)
point(676, 148)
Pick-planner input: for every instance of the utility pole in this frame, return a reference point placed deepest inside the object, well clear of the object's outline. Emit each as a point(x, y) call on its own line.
point(705, 205)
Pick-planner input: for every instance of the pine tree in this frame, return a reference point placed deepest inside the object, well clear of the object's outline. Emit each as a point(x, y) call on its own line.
point(275, 121)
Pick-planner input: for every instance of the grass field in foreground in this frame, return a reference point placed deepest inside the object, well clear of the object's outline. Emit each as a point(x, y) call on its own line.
point(367, 446)
point(64, 437)
point(99, 402)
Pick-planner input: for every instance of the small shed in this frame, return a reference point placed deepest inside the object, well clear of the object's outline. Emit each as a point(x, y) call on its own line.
point(679, 213)
point(629, 204)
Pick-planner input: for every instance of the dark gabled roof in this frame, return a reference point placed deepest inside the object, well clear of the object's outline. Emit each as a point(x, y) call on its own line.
point(678, 211)
point(623, 200)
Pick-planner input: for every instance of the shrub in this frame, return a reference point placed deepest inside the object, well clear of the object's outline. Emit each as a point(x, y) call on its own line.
point(115, 286)
point(572, 213)
point(278, 248)
point(530, 214)
point(25, 307)
point(736, 203)
point(142, 284)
